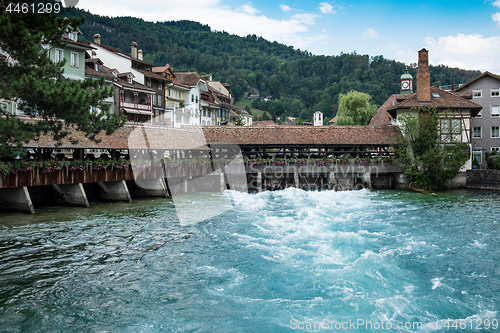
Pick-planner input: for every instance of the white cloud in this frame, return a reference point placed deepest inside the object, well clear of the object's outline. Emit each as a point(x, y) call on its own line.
point(285, 8)
point(305, 18)
point(327, 8)
point(496, 16)
point(472, 51)
point(370, 33)
point(242, 20)
point(248, 9)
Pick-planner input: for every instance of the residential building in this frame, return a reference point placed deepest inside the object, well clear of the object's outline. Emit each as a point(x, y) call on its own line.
point(95, 68)
point(484, 90)
point(209, 109)
point(141, 91)
point(455, 112)
point(158, 83)
point(73, 51)
point(192, 97)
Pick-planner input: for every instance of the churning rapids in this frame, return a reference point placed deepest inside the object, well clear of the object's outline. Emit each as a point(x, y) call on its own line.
point(282, 261)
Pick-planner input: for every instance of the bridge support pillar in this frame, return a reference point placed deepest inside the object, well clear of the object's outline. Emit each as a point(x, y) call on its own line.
point(17, 199)
point(296, 179)
point(259, 182)
point(367, 180)
point(151, 188)
point(72, 194)
point(115, 191)
point(222, 182)
point(332, 181)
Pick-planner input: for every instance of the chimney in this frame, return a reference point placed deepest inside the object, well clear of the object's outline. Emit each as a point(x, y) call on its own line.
point(139, 56)
point(133, 50)
point(97, 39)
point(423, 77)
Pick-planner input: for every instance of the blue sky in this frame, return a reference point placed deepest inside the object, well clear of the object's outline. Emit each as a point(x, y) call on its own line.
point(458, 33)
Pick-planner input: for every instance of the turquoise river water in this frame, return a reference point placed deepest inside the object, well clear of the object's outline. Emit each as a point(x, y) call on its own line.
point(285, 261)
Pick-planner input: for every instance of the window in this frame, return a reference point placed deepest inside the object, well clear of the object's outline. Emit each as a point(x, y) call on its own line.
point(477, 93)
point(58, 55)
point(476, 132)
point(148, 83)
point(160, 85)
point(478, 155)
point(451, 130)
point(130, 79)
point(495, 92)
point(72, 36)
point(495, 149)
point(74, 59)
point(495, 111)
point(495, 132)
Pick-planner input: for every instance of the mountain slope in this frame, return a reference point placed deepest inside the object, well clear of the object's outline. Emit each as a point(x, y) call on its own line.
point(301, 83)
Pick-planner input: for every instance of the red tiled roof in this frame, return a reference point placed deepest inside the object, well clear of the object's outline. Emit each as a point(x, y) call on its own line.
point(382, 117)
point(152, 137)
point(187, 78)
point(333, 120)
point(153, 75)
point(446, 101)
point(264, 123)
point(302, 135)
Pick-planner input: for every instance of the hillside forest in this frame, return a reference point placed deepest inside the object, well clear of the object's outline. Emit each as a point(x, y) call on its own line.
point(300, 82)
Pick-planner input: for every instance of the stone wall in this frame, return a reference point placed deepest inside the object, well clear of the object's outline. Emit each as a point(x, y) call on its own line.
point(483, 179)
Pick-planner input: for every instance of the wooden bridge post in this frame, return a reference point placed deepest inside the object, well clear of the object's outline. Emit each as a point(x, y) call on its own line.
point(297, 180)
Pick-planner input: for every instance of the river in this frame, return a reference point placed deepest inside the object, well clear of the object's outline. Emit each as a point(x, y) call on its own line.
point(283, 261)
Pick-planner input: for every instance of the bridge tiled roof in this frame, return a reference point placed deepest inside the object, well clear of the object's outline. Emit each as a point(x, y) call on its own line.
point(302, 135)
point(168, 138)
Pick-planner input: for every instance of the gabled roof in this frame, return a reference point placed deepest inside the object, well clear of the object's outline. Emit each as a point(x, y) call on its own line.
point(187, 78)
point(152, 75)
point(440, 99)
point(163, 69)
point(81, 45)
point(118, 52)
point(494, 76)
point(265, 123)
point(382, 117)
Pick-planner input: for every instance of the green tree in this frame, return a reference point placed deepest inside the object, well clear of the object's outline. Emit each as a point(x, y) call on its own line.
point(355, 109)
point(429, 164)
point(240, 121)
point(30, 77)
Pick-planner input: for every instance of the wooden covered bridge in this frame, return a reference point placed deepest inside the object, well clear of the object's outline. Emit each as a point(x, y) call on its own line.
point(164, 161)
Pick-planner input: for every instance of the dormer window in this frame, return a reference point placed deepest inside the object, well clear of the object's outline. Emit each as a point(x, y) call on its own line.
point(130, 79)
point(115, 73)
point(72, 36)
point(96, 67)
point(148, 83)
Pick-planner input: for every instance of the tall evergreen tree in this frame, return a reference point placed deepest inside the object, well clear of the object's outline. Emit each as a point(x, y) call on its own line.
point(55, 103)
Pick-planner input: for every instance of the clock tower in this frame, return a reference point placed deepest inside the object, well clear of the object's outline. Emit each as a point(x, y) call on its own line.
point(406, 82)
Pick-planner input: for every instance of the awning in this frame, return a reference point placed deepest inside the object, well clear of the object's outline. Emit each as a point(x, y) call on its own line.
point(136, 111)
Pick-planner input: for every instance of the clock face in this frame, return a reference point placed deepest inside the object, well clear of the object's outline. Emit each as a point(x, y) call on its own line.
point(405, 84)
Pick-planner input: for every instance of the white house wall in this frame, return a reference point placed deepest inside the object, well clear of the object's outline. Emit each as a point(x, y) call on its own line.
point(113, 60)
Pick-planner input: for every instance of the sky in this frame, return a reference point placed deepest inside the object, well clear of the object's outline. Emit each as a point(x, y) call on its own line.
point(457, 33)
